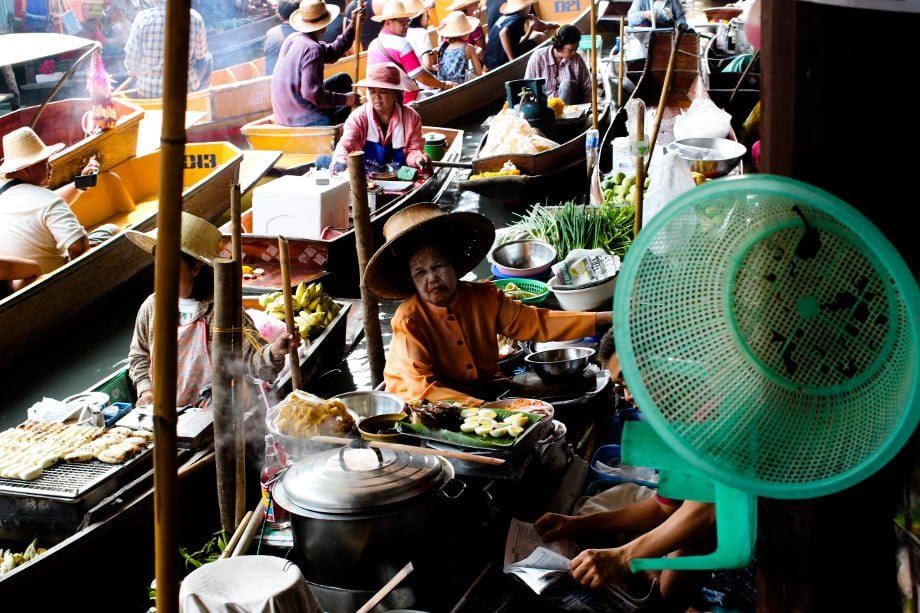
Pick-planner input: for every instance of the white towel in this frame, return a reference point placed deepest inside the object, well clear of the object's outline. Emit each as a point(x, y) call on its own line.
point(397, 138)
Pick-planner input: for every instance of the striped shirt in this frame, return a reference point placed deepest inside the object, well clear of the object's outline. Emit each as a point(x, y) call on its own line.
point(388, 47)
point(145, 49)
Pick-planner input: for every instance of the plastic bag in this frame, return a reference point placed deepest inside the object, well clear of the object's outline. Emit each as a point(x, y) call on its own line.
point(704, 119)
point(269, 327)
point(670, 177)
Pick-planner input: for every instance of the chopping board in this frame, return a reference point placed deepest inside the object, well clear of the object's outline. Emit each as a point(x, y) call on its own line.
point(530, 385)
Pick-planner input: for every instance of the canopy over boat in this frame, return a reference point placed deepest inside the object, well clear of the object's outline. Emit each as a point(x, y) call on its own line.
point(26, 47)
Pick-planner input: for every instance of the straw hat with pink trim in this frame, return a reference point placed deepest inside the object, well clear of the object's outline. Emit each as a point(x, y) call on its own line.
point(513, 6)
point(313, 15)
point(394, 9)
point(387, 75)
point(418, 6)
point(457, 24)
point(23, 147)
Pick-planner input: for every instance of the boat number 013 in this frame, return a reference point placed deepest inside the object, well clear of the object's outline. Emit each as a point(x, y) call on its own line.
point(201, 160)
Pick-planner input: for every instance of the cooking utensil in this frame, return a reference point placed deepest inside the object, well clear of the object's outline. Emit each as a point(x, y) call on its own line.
point(459, 455)
point(713, 157)
point(560, 364)
point(386, 589)
point(367, 403)
point(523, 258)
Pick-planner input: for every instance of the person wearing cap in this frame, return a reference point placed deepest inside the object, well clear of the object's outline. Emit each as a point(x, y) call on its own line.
point(456, 56)
point(300, 97)
point(36, 223)
point(476, 38)
point(444, 344)
point(386, 130)
point(276, 35)
point(566, 74)
point(145, 51)
point(509, 37)
point(391, 45)
point(199, 243)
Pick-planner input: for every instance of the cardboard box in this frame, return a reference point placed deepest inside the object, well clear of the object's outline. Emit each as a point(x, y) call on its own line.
point(300, 207)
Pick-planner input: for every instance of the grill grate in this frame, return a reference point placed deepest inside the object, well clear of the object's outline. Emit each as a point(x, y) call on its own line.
point(68, 480)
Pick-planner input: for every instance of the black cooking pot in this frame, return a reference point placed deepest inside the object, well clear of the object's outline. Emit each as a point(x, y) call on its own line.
point(358, 515)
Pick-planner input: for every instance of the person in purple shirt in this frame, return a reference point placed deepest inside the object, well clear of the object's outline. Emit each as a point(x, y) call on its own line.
point(300, 97)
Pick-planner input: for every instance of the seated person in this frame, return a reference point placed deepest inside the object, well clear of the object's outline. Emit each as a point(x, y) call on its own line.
point(36, 223)
point(300, 97)
point(199, 241)
point(476, 38)
point(567, 76)
point(458, 59)
point(657, 13)
point(417, 34)
point(391, 45)
point(510, 36)
point(444, 344)
point(383, 127)
point(16, 273)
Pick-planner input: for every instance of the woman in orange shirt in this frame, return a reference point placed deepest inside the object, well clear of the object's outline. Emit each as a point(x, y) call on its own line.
point(444, 343)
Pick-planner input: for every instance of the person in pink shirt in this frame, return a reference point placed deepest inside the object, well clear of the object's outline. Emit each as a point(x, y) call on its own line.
point(392, 46)
point(387, 131)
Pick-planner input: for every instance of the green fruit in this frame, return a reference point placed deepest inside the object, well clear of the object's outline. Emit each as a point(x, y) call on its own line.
point(608, 184)
point(618, 177)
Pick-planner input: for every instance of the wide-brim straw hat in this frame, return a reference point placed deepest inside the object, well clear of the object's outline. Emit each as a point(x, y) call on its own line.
point(459, 5)
point(394, 9)
point(387, 75)
point(457, 24)
point(198, 238)
point(23, 147)
point(313, 15)
point(418, 6)
point(513, 6)
point(465, 237)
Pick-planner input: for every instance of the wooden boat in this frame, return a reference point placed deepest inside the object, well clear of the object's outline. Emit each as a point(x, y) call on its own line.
point(335, 254)
point(62, 121)
point(737, 92)
point(298, 145)
point(125, 195)
point(93, 511)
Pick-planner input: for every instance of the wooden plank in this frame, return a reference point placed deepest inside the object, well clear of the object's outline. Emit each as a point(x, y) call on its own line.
point(254, 166)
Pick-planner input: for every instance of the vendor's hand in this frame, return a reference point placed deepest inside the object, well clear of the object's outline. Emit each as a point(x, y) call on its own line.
point(552, 526)
point(144, 399)
point(339, 168)
point(449, 85)
point(282, 344)
point(91, 168)
point(597, 567)
point(359, 12)
point(423, 162)
point(353, 100)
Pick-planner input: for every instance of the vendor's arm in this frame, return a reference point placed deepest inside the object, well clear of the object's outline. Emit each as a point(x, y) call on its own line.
point(639, 13)
point(264, 360)
point(139, 352)
point(690, 522)
point(640, 516)
point(69, 235)
point(344, 41)
point(311, 81)
point(408, 371)
point(18, 269)
point(525, 322)
point(354, 133)
point(415, 142)
point(507, 43)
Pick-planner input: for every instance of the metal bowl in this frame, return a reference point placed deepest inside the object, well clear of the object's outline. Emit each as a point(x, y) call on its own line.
point(366, 403)
point(560, 364)
point(713, 157)
point(523, 258)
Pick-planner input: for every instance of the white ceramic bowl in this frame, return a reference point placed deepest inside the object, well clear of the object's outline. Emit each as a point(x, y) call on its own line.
point(587, 298)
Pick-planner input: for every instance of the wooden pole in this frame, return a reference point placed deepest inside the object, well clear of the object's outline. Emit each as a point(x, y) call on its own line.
point(166, 315)
point(358, 44)
point(284, 258)
point(364, 236)
point(239, 434)
point(236, 223)
point(224, 333)
point(640, 169)
point(665, 88)
point(621, 63)
point(593, 64)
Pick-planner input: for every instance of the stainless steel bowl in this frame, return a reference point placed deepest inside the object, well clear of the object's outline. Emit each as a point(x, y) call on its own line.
point(713, 157)
point(524, 257)
point(561, 363)
point(366, 403)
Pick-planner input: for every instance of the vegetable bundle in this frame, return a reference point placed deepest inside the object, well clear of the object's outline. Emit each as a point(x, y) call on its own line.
point(573, 226)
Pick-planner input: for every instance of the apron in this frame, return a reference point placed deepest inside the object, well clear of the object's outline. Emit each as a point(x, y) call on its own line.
point(193, 368)
point(376, 156)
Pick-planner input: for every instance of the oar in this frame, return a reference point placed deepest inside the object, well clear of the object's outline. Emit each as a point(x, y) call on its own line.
point(358, 42)
point(284, 260)
point(123, 85)
point(439, 164)
point(459, 455)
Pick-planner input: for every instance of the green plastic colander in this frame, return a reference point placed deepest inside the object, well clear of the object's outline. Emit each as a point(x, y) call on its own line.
point(769, 331)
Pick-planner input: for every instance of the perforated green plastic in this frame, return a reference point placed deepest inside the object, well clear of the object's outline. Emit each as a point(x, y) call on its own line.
point(539, 288)
point(769, 331)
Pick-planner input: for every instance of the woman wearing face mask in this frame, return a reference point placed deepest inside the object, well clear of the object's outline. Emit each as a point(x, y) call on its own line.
point(444, 333)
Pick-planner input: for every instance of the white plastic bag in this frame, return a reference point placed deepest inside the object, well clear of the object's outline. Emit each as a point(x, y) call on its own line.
point(704, 119)
point(670, 177)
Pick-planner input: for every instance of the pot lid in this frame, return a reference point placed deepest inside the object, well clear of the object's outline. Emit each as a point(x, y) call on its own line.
point(348, 480)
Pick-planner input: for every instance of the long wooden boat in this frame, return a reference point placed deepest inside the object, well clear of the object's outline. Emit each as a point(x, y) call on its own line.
point(336, 254)
point(126, 195)
point(98, 512)
point(298, 145)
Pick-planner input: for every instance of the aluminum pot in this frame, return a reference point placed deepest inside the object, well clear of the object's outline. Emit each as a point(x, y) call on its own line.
point(358, 515)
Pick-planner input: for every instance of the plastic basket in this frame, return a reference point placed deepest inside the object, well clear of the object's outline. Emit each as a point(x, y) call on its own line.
point(769, 332)
point(528, 285)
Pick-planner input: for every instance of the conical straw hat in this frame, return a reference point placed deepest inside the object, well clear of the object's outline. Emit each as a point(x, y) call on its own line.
point(198, 238)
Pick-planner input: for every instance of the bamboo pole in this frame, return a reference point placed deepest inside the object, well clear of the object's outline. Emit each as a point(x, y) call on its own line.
point(665, 88)
point(166, 315)
point(224, 334)
point(593, 64)
point(640, 170)
point(236, 216)
point(621, 63)
point(239, 438)
point(235, 538)
point(284, 258)
point(357, 78)
point(255, 520)
point(364, 236)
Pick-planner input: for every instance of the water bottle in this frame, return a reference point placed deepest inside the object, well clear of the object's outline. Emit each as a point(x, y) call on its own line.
point(592, 144)
point(276, 517)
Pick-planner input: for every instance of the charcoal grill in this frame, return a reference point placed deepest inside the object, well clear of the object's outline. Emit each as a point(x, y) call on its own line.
point(55, 504)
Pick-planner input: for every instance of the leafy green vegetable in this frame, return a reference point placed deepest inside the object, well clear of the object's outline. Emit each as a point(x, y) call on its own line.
point(573, 226)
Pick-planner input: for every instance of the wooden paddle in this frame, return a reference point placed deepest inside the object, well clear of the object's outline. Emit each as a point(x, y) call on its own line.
point(458, 455)
point(284, 259)
point(665, 89)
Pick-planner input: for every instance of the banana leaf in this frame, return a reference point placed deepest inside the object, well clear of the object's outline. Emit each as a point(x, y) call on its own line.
point(463, 439)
